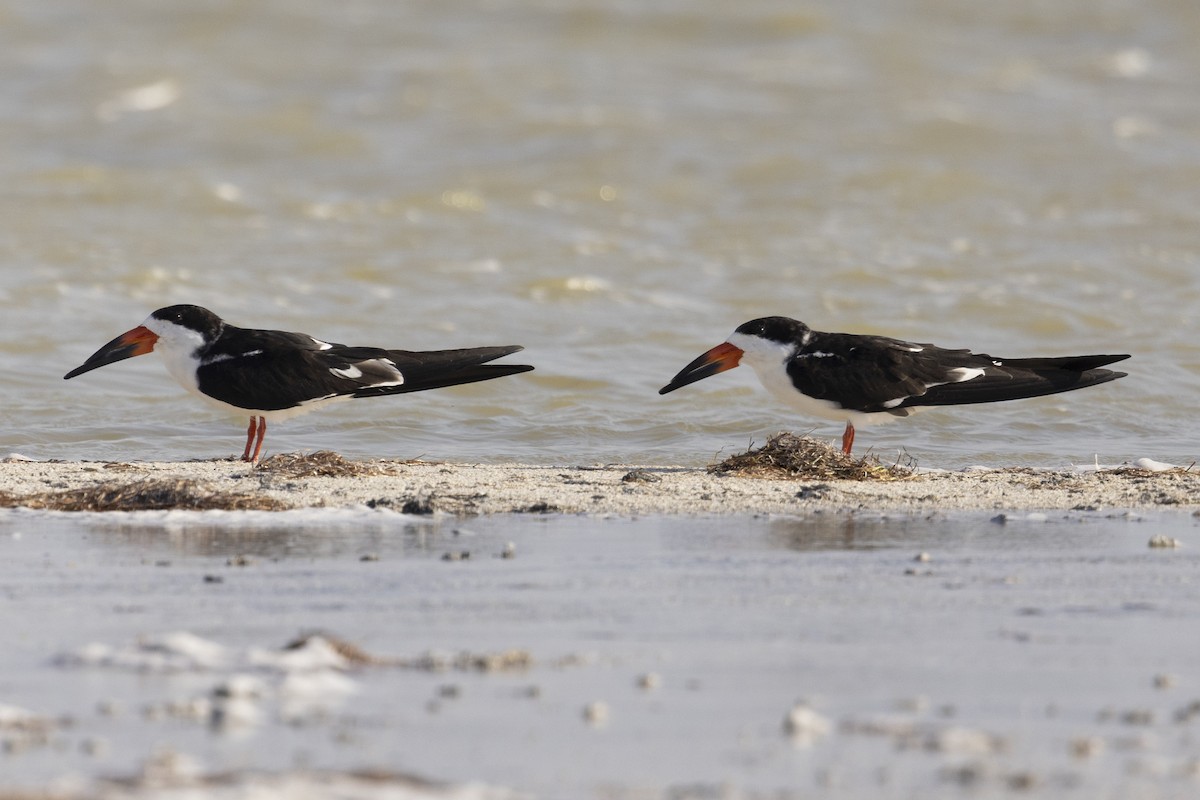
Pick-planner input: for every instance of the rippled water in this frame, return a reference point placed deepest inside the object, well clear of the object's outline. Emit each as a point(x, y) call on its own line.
point(614, 185)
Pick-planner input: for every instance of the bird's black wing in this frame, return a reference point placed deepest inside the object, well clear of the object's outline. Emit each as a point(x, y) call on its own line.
point(433, 369)
point(275, 370)
point(872, 373)
point(1013, 379)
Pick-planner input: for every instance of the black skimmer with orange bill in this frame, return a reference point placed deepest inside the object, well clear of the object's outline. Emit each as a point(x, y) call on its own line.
point(868, 379)
point(274, 375)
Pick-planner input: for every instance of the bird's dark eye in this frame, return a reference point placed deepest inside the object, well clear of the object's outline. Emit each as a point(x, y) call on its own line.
point(757, 328)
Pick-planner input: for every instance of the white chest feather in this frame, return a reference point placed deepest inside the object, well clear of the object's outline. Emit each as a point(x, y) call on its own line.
point(177, 349)
point(775, 380)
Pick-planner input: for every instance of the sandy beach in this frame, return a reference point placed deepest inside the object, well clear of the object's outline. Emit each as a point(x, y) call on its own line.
point(292, 482)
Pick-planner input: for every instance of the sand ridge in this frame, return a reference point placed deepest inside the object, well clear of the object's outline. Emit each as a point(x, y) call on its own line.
point(425, 487)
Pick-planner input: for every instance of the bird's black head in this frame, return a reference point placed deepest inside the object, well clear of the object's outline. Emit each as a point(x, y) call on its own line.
point(170, 327)
point(194, 318)
point(774, 329)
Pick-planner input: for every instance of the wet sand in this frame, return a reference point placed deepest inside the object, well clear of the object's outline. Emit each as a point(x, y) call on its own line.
point(472, 489)
point(435, 630)
point(164, 655)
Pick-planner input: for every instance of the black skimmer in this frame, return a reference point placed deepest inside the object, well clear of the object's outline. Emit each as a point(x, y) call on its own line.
point(275, 374)
point(863, 379)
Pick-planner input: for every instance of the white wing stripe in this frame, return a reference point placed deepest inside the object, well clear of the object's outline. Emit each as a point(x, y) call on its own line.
point(962, 373)
point(376, 366)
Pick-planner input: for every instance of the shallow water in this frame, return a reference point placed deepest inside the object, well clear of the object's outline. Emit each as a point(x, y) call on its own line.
point(615, 186)
point(1050, 657)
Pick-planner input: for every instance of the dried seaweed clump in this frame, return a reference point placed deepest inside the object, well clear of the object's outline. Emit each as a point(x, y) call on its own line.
point(321, 464)
point(503, 661)
point(786, 455)
point(156, 494)
point(465, 661)
point(1143, 472)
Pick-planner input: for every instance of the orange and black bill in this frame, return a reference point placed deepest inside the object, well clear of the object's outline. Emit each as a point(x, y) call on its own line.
point(136, 342)
point(722, 357)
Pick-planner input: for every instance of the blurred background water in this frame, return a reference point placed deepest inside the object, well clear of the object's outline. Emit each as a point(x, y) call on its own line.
point(615, 185)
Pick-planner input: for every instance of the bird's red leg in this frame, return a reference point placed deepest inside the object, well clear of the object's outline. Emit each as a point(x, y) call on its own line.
point(262, 432)
point(848, 438)
point(250, 438)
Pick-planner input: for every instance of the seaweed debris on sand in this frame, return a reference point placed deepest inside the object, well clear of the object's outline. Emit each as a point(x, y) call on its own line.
point(321, 464)
point(153, 494)
point(788, 456)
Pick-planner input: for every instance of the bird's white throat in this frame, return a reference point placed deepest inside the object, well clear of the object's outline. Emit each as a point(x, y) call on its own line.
point(179, 348)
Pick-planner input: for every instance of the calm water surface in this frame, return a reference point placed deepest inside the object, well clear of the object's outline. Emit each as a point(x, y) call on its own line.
point(614, 185)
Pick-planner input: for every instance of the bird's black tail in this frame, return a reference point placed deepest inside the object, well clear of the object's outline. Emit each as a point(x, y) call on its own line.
point(1067, 363)
point(1019, 378)
point(434, 369)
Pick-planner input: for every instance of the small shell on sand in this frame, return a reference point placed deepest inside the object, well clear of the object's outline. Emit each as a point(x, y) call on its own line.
point(1159, 540)
point(596, 713)
point(1087, 746)
point(804, 725)
point(649, 681)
